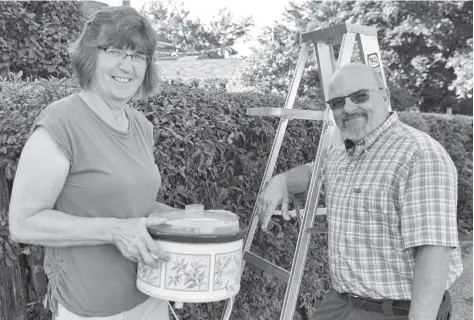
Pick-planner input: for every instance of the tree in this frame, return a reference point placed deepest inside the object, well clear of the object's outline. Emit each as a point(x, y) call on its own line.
point(426, 47)
point(191, 36)
point(226, 31)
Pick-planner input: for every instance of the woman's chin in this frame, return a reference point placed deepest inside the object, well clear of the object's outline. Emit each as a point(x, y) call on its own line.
point(122, 97)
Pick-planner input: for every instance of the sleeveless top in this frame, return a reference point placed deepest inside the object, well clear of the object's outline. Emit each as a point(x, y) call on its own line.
point(112, 174)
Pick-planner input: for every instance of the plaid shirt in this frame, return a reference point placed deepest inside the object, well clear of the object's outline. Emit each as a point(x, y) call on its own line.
point(395, 190)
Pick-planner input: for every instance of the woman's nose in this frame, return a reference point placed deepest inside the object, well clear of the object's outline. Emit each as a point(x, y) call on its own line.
point(126, 64)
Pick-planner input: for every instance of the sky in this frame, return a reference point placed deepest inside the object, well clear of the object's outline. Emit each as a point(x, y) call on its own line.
point(264, 12)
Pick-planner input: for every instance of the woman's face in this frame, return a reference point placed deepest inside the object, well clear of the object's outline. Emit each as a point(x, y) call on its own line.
point(117, 79)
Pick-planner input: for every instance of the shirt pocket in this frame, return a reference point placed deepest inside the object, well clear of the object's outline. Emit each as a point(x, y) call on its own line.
point(375, 207)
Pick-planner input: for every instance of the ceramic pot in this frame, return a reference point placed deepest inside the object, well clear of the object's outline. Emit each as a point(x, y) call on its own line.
point(206, 255)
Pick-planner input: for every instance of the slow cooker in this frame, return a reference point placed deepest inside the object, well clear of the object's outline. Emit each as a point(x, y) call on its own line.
point(206, 253)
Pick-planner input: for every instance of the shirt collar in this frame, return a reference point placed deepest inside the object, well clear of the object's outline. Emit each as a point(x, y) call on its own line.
point(370, 139)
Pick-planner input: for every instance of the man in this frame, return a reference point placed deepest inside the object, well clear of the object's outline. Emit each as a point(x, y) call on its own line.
point(391, 196)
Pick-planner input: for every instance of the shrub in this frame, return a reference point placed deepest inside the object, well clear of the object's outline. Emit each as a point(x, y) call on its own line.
point(210, 152)
point(455, 135)
point(208, 84)
point(34, 36)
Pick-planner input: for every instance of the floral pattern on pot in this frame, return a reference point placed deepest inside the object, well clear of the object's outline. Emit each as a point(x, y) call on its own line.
point(188, 272)
point(227, 269)
point(150, 275)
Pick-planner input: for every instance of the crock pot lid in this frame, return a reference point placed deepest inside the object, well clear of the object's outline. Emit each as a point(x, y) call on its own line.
point(205, 222)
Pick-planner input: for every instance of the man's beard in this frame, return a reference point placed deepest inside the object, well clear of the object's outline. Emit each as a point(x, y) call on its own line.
point(356, 129)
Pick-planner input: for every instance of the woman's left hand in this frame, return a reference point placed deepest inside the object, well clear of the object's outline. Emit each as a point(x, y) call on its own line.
point(131, 237)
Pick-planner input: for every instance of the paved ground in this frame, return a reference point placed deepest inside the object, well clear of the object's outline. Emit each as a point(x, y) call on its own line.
point(461, 291)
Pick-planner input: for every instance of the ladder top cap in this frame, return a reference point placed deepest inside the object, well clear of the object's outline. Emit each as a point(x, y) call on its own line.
point(337, 31)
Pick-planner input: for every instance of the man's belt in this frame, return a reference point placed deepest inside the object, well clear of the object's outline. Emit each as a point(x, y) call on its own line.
point(395, 307)
point(389, 307)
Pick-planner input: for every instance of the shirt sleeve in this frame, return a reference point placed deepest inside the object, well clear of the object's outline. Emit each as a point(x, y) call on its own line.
point(429, 201)
point(54, 120)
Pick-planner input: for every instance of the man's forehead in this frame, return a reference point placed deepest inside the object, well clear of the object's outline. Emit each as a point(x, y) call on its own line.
point(350, 79)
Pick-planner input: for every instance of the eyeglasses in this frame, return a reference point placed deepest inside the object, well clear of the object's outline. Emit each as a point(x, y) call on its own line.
point(359, 96)
point(140, 60)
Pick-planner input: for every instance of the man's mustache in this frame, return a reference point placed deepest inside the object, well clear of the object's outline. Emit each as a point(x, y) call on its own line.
point(350, 116)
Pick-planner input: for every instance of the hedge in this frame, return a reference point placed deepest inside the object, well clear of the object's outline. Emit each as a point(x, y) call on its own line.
point(34, 36)
point(210, 152)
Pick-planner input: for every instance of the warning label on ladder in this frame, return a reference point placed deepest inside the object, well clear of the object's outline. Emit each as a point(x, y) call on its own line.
point(373, 61)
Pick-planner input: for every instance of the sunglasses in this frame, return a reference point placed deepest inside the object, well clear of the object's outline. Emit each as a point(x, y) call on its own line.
point(357, 97)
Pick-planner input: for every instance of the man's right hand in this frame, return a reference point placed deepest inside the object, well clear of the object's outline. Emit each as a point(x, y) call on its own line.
point(131, 237)
point(273, 194)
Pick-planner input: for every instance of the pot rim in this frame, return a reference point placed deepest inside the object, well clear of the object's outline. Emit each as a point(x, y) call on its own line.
point(197, 238)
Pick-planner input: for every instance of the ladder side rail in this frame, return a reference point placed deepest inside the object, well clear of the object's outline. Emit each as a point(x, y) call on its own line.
point(304, 237)
point(324, 54)
point(345, 55)
point(303, 57)
point(295, 82)
point(348, 41)
point(332, 56)
point(276, 146)
point(370, 55)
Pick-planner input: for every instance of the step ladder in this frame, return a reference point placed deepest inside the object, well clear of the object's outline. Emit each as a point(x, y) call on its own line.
point(324, 41)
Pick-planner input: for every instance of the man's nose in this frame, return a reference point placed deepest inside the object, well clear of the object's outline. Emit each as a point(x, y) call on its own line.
point(349, 106)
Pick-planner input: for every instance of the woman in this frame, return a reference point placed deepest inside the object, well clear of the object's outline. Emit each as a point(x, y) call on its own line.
point(87, 182)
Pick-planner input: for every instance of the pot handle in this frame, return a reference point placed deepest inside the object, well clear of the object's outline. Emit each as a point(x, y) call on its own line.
point(227, 312)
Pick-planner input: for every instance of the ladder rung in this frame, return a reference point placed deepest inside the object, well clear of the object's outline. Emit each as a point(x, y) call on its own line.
point(335, 33)
point(317, 230)
point(321, 211)
point(300, 114)
point(267, 266)
point(292, 213)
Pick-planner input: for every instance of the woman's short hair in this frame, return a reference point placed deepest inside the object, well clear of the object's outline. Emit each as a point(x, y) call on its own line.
point(119, 27)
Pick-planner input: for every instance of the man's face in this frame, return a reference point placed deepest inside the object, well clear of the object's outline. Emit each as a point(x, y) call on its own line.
point(357, 102)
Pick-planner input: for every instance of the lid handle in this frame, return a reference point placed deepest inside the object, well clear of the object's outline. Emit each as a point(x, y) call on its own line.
point(194, 210)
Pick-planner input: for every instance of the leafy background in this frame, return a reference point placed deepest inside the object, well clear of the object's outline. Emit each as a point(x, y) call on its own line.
point(426, 48)
point(209, 151)
point(34, 37)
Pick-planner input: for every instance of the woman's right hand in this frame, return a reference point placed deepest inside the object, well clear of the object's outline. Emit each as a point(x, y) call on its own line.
point(131, 237)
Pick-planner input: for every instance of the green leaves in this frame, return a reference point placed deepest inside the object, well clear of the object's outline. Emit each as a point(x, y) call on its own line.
point(21, 103)
point(9, 251)
point(426, 50)
point(35, 36)
point(215, 40)
point(209, 151)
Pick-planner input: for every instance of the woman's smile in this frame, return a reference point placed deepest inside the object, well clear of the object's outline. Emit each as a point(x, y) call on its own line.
point(122, 79)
